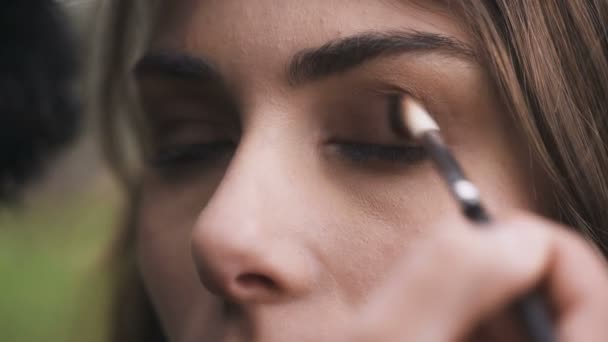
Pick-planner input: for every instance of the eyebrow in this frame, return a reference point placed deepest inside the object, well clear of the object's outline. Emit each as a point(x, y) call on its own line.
point(344, 54)
point(334, 57)
point(176, 65)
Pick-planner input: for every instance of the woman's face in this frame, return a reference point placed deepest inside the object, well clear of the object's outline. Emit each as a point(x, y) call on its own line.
point(276, 196)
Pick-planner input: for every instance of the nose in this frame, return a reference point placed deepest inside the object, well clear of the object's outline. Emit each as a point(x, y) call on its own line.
point(242, 245)
point(248, 269)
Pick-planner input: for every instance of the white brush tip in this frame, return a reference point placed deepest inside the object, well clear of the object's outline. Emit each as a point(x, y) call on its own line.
point(416, 118)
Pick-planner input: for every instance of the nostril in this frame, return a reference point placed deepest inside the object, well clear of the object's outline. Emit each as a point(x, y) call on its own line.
point(252, 280)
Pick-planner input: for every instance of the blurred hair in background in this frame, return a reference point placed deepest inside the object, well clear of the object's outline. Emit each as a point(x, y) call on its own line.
point(38, 108)
point(56, 202)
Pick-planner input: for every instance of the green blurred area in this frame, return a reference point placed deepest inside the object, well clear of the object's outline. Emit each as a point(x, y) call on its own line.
point(53, 285)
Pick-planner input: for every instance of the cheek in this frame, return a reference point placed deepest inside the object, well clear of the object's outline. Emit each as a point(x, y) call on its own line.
point(367, 221)
point(164, 223)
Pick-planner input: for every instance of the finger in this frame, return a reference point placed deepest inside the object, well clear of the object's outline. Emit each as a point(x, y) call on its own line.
point(578, 287)
point(451, 282)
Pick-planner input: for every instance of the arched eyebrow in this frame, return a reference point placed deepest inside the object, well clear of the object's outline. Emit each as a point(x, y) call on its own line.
point(309, 65)
point(344, 54)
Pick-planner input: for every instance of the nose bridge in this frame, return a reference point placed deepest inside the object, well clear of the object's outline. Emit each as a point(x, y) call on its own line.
point(237, 212)
point(241, 246)
point(259, 178)
point(249, 183)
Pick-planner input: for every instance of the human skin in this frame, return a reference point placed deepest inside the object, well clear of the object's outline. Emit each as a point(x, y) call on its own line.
point(302, 225)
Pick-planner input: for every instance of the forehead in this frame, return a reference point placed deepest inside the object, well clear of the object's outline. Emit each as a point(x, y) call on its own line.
point(261, 36)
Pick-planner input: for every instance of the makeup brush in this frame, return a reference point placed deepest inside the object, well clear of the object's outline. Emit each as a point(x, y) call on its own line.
point(410, 118)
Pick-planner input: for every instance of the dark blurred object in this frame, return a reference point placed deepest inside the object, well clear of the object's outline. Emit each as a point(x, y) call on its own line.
point(38, 110)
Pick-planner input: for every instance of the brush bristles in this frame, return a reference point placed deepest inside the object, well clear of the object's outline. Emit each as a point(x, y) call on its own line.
point(415, 117)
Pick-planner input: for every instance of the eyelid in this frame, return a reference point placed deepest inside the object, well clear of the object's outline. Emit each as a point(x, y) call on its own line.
point(391, 90)
point(189, 153)
point(430, 100)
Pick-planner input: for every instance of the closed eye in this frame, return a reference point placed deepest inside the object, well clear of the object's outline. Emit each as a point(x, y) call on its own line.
point(204, 154)
point(369, 153)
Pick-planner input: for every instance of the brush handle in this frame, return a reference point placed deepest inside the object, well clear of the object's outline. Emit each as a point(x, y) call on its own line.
point(531, 309)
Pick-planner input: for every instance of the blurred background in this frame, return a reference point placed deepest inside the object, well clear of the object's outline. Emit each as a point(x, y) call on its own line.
point(53, 243)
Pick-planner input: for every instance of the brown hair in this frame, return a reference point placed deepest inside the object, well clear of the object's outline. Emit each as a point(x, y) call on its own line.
point(548, 60)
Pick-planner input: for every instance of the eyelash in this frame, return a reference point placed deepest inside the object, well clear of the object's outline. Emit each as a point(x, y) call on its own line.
point(362, 153)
